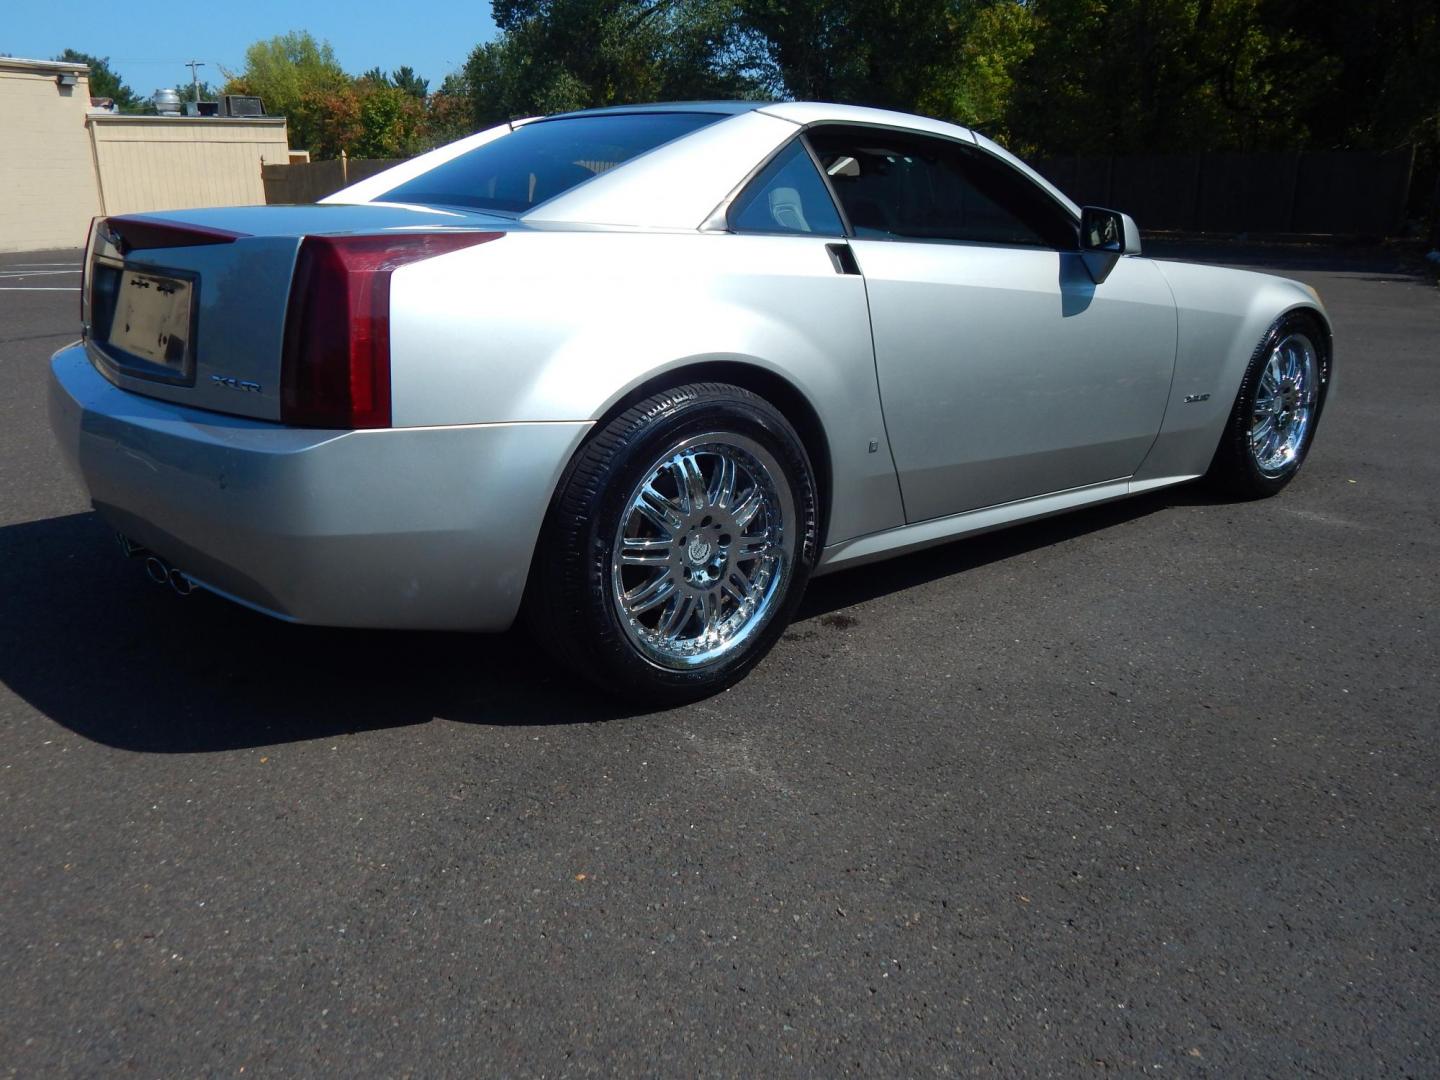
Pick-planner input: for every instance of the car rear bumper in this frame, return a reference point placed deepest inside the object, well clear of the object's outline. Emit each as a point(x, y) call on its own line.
point(422, 528)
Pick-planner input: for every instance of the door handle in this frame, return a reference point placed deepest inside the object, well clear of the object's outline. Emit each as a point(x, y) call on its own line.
point(842, 258)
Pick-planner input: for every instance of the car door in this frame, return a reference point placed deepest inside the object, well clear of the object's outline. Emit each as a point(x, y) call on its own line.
point(791, 269)
point(1005, 371)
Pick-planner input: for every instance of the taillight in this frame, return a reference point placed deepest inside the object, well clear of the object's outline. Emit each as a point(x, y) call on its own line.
point(335, 372)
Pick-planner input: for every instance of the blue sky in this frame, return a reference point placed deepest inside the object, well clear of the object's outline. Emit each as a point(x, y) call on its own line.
point(148, 44)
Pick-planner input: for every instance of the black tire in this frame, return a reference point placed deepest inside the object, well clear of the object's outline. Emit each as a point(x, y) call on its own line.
point(573, 602)
point(1234, 469)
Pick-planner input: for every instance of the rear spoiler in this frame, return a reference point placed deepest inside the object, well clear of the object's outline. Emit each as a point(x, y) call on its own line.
point(135, 231)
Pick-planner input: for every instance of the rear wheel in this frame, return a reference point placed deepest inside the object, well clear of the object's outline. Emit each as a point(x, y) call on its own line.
point(1272, 423)
point(678, 545)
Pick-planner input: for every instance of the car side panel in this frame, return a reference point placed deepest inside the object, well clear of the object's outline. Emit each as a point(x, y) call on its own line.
point(560, 326)
point(1222, 315)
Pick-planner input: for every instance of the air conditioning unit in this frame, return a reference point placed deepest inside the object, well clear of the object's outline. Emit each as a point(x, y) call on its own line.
point(243, 105)
point(202, 108)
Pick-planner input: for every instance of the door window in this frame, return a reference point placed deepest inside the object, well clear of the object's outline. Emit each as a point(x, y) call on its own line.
point(787, 196)
point(896, 185)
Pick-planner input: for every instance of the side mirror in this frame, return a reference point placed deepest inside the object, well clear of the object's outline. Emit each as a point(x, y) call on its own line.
point(1105, 235)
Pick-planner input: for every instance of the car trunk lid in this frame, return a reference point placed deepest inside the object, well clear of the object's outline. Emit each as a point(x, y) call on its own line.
point(190, 306)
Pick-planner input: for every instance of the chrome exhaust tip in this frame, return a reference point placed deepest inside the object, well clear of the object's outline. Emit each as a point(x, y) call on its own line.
point(162, 573)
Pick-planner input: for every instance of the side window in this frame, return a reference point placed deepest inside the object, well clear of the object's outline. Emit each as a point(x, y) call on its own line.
point(894, 185)
point(788, 196)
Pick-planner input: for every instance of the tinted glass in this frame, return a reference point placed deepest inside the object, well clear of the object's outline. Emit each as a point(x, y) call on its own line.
point(787, 197)
point(540, 160)
point(931, 189)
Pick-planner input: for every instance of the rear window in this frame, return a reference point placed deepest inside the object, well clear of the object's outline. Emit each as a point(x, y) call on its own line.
point(540, 160)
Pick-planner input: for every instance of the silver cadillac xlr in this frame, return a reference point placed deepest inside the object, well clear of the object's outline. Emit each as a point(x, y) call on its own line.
point(638, 373)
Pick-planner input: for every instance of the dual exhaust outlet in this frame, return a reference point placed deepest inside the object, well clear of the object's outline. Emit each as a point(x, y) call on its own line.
point(156, 568)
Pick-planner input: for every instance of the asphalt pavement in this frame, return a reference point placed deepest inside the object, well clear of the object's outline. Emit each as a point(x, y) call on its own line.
point(1149, 788)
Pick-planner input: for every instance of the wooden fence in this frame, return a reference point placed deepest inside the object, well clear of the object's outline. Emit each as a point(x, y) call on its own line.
point(1351, 193)
point(312, 181)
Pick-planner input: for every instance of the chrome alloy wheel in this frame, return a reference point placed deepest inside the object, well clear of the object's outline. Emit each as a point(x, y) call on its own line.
point(1284, 404)
point(702, 549)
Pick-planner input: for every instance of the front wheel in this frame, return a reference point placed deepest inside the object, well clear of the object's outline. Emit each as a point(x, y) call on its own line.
point(1272, 423)
point(677, 546)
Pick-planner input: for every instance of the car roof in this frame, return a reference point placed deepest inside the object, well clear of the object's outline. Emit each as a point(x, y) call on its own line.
point(815, 112)
point(723, 108)
point(678, 184)
point(797, 112)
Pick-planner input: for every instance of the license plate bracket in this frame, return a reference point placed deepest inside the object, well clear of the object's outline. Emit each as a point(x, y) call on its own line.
point(143, 318)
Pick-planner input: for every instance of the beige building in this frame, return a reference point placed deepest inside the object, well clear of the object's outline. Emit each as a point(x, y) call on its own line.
point(62, 164)
point(48, 191)
point(170, 162)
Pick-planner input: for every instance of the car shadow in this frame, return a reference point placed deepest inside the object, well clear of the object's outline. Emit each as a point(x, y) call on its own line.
point(94, 645)
point(846, 588)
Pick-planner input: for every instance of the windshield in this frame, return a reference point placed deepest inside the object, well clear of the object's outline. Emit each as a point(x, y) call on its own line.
point(542, 159)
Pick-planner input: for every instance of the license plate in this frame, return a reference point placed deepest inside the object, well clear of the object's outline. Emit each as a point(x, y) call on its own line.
point(152, 321)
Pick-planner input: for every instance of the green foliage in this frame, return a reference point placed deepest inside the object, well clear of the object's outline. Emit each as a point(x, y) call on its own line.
point(1158, 76)
point(330, 113)
point(405, 80)
point(976, 89)
point(1053, 76)
point(295, 76)
point(1380, 80)
point(186, 90)
point(872, 52)
point(1152, 75)
point(1046, 76)
point(103, 81)
point(556, 55)
point(390, 123)
point(368, 119)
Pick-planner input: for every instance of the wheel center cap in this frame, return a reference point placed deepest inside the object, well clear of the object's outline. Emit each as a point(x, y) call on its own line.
point(699, 550)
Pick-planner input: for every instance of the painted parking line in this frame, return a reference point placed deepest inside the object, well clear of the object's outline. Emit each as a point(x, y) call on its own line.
point(39, 288)
point(35, 273)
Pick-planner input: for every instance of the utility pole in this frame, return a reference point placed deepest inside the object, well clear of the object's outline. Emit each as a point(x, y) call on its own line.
point(194, 66)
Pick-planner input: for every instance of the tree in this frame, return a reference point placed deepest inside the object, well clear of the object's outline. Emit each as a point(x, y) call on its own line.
point(951, 58)
point(1156, 76)
point(367, 119)
point(449, 115)
point(104, 82)
point(868, 52)
point(186, 90)
point(391, 123)
point(1380, 69)
point(554, 55)
point(405, 80)
point(294, 75)
point(976, 88)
